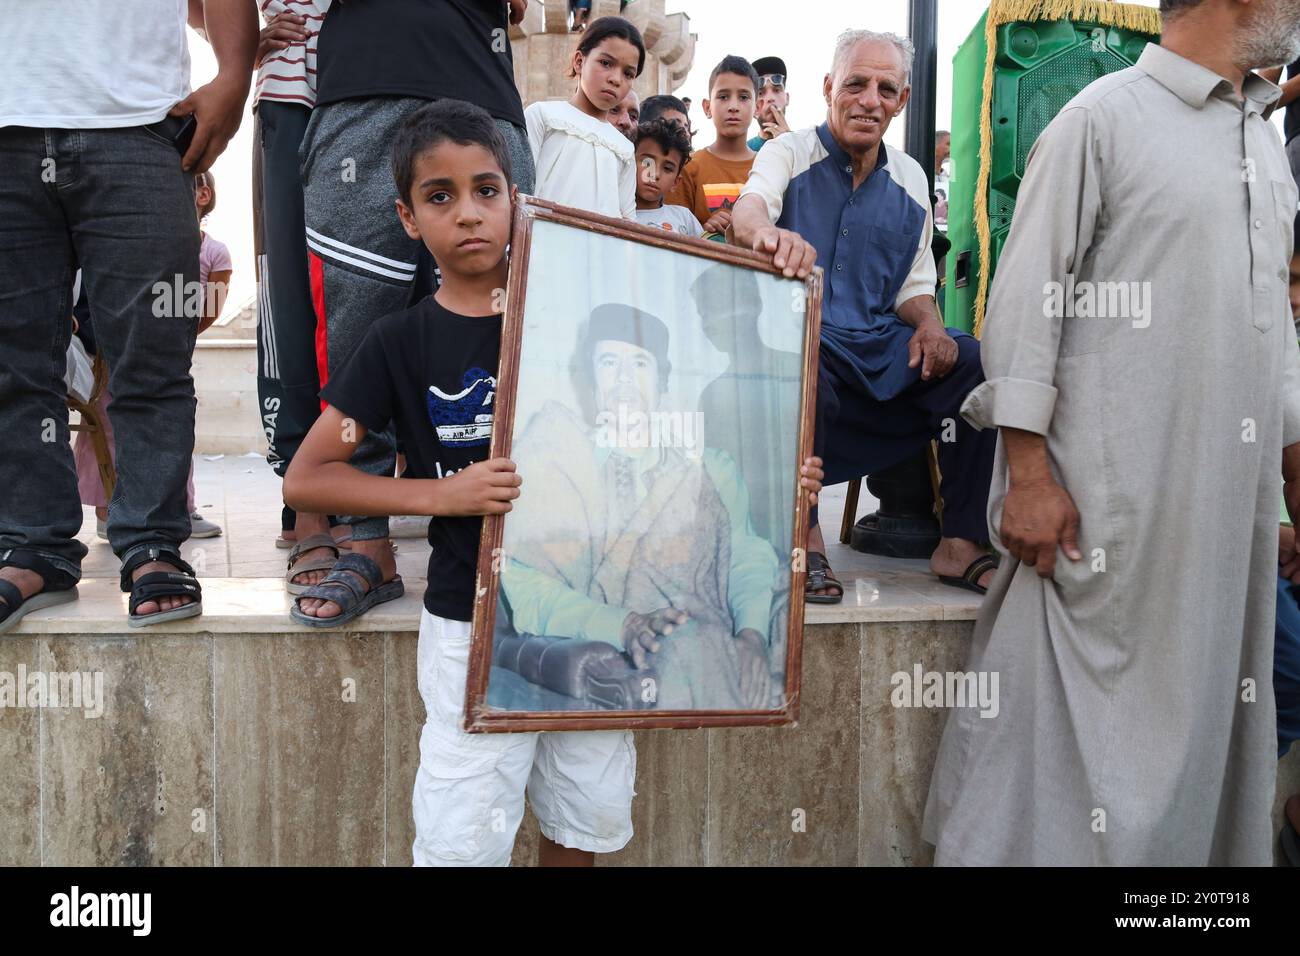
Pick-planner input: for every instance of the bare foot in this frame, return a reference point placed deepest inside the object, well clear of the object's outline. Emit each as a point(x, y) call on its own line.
point(162, 604)
point(378, 550)
point(304, 527)
point(954, 556)
point(27, 582)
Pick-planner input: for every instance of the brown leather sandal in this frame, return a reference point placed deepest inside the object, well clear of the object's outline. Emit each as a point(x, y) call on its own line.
point(297, 567)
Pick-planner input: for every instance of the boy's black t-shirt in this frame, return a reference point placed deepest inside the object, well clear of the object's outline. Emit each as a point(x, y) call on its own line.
point(432, 49)
point(433, 374)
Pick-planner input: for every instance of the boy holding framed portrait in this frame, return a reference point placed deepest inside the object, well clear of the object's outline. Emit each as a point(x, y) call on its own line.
point(432, 370)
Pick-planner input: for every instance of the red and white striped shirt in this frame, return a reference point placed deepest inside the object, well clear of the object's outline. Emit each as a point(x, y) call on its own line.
point(289, 75)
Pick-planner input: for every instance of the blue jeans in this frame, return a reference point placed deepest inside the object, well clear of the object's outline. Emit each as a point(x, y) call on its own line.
point(116, 203)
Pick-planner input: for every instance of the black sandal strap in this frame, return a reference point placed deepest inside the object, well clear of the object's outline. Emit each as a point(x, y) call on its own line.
point(979, 567)
point(12, 597)
point(52, 578)
point(161, 584)
point(162, 553)
point(360, 564)
point(341, 587)
point(346, 593)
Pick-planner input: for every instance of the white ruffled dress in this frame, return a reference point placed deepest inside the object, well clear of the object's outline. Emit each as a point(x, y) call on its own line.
point(581, 161)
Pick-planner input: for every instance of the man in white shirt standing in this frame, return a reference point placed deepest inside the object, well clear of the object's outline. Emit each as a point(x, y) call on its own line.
point(97, 166)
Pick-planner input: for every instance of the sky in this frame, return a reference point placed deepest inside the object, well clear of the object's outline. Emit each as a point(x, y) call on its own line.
point(750, 28)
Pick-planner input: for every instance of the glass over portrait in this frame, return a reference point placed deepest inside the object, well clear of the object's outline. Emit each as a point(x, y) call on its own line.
point(657, 413)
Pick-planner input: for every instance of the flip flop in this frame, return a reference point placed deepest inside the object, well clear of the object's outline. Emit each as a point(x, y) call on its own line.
point(344, 590)
point(969, 579)
point(820, 577)
point(297, 567)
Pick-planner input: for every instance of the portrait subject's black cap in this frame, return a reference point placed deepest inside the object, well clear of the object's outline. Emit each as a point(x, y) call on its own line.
point(767, 65)
point(625, 323)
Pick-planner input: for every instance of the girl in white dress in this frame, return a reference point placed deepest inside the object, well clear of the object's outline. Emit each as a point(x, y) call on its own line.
point(582, 160)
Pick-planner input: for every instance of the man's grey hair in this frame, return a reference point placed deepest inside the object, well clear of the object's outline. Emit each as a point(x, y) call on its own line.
point(851, 38)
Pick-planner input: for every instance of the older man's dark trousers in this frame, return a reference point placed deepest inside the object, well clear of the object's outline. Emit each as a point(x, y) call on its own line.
point(857, 435)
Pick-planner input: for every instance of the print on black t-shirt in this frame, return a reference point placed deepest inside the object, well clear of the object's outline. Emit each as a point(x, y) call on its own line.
point(465, 418)
point(432, 374)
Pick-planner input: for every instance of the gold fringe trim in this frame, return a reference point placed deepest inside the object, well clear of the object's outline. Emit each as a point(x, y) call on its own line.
point(1126, 16)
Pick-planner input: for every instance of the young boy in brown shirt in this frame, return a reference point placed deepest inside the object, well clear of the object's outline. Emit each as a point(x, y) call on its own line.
point(711, 181)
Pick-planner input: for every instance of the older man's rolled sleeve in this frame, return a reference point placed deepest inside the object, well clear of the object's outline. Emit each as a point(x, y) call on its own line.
point(1011, 403)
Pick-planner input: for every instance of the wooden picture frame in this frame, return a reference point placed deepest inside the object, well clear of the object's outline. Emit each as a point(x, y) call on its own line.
point(555, 222)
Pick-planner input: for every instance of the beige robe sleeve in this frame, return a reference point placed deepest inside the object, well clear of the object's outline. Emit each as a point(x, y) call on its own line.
point(1052, 229)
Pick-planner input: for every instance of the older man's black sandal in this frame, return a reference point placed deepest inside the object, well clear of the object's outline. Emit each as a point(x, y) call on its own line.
point(346, 591)
point(970, 578)
point(160, 584)
point(58, 587)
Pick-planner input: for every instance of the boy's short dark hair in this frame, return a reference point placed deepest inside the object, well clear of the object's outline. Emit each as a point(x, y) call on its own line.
point(444, 121)
point(668, 135)
point(737, 65)
point(655, 106)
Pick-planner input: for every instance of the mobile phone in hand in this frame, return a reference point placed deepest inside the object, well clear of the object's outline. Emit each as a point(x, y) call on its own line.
point(185, 135)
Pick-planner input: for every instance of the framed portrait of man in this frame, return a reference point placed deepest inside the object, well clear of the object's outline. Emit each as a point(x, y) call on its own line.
point(656, 395)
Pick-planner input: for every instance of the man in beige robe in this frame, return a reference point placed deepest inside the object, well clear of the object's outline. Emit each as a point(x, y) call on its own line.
point(1142, 368)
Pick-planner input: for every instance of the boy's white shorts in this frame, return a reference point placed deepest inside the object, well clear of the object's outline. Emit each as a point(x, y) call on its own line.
point(469, 790)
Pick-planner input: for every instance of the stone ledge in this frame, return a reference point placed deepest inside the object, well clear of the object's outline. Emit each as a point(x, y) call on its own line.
point(261, 605)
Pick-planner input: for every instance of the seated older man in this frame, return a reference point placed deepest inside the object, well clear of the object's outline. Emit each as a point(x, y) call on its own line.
point(891, 376)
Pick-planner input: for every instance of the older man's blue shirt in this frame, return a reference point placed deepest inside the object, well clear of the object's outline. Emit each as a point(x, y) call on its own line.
point(872, 243)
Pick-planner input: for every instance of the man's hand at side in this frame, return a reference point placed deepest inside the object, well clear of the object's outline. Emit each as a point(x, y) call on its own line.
point(1037, 513)
point(218, 107)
